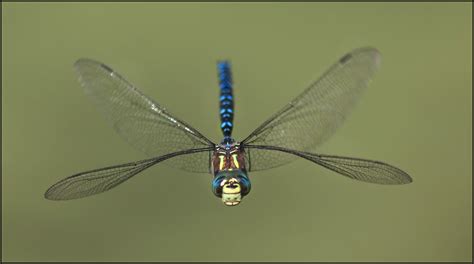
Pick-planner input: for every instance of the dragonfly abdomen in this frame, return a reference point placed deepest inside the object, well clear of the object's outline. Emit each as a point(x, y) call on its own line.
point(226, 98)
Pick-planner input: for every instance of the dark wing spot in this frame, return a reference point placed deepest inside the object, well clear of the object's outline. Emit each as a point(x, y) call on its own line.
point(346, 58)
point(107, 68)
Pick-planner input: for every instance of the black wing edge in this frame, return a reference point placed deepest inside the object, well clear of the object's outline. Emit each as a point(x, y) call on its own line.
point(357, 169)
point(100, 180)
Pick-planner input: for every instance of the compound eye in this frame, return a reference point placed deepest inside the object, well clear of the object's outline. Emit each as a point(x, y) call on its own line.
point(217, 185)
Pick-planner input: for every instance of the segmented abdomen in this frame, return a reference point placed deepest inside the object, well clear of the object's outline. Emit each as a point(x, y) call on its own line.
point(226, 98)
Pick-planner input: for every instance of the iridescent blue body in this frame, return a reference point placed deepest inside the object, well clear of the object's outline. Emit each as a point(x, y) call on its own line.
point(226, 100)
point(231, 182)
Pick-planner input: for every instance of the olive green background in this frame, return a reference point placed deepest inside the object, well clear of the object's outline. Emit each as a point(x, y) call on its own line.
point(416, 114)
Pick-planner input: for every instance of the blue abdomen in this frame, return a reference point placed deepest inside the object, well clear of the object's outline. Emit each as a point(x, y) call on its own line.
point(226, 98)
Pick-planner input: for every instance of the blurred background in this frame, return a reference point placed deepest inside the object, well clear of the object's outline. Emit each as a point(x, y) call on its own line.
point(416, 115)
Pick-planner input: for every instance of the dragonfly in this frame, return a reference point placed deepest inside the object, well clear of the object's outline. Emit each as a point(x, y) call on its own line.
point(294, 132)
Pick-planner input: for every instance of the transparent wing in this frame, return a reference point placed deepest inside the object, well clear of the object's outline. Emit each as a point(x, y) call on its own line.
point(354, 168)
point(97, 181)
point(138, 119)
point(313, 116)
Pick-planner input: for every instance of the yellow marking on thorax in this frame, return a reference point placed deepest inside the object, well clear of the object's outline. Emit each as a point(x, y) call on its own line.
point(235, 161)
point(221, 163)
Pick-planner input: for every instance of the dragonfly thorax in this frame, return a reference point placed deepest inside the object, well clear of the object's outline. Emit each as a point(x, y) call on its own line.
point(230, 182)
point(228, 156)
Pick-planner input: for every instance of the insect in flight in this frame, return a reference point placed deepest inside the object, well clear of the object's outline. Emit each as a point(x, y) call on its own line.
point(294, 131)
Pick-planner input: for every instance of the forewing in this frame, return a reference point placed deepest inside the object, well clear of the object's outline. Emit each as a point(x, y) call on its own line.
point(97, 181)
point(313, 116)
point(138, 119)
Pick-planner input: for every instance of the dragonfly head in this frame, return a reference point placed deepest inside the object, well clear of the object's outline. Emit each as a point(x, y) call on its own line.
point(231, 186)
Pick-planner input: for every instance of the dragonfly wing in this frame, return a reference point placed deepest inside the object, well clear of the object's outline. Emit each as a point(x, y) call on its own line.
point(361, 169)
point(313, 116)
point(100, 180)
point(262, 159)
point(138, 119)
point(354, 168)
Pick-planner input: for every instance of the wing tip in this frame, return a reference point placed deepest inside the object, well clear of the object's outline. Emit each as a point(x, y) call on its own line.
point(86, 62)
point(369, 50)
point(401, 178)
point(83, 61)
point(55, 192)
point(49, 194)
point(407, 179)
